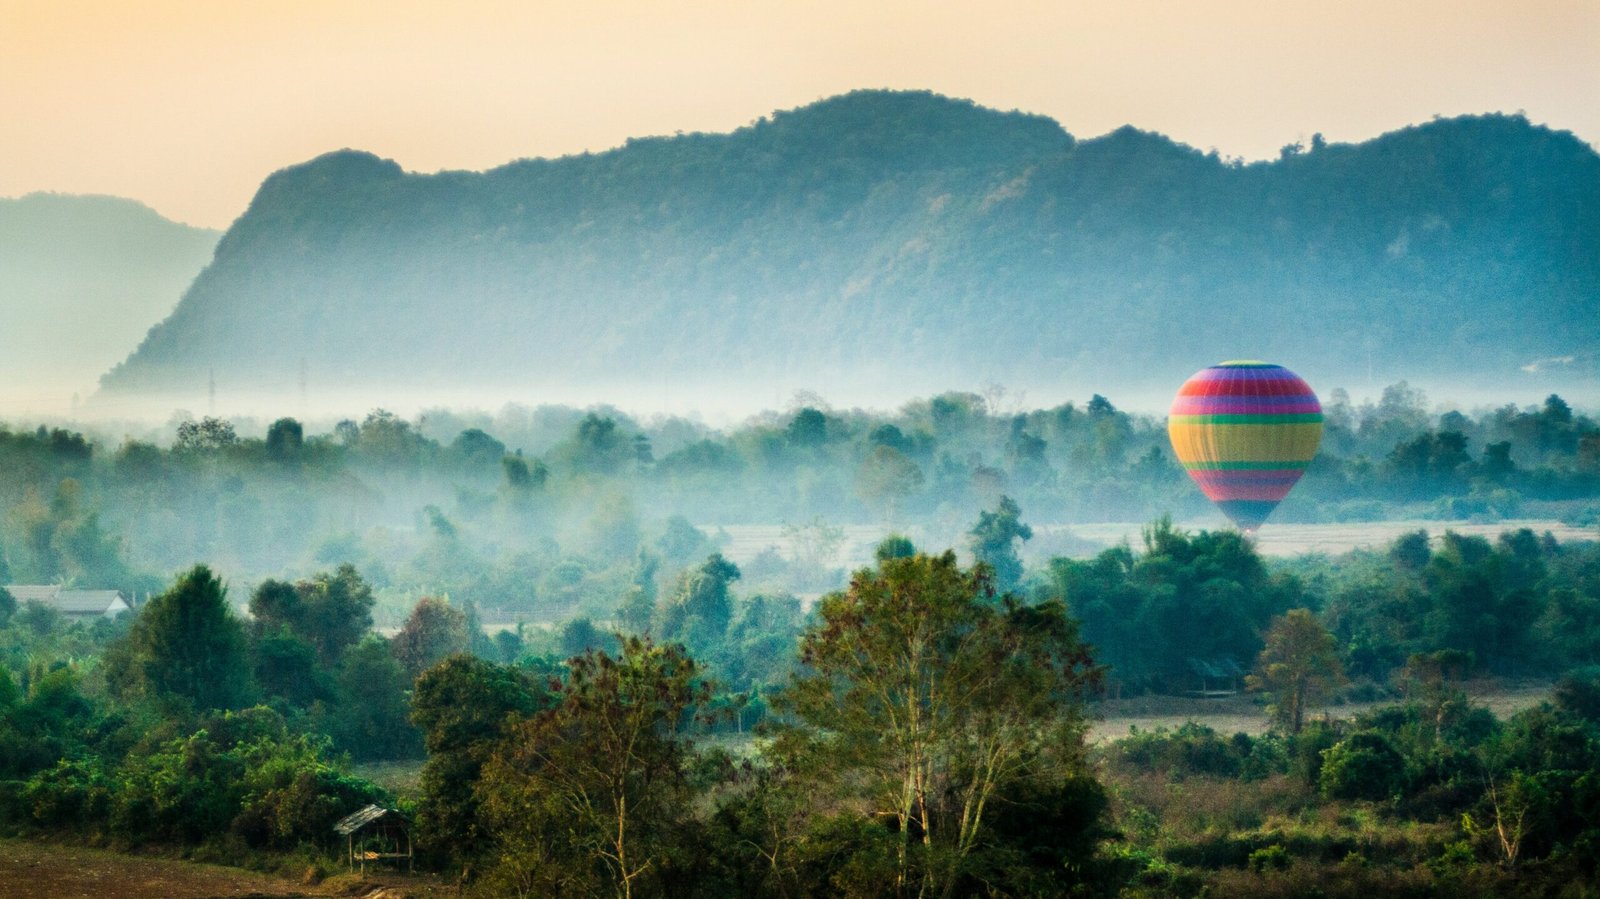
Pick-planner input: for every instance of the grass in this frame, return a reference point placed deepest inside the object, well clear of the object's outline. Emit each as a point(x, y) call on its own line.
point(402, 778)
point(1246, 713)
point(47, 871)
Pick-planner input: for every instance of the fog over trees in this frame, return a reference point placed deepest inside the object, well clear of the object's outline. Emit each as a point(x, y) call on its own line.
point(652, 658)
point(825, 651)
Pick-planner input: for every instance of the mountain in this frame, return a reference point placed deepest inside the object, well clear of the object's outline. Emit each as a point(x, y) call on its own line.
point(888, 244)
point(82, 278)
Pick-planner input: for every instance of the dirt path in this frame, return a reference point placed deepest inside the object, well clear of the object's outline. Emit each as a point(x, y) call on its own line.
point(1247, 714)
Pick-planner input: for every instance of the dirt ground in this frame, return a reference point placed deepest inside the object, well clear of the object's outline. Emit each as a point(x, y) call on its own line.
point(1245, 713)
point(51, 871)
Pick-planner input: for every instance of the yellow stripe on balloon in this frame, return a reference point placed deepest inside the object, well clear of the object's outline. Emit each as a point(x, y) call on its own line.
point(1294, 443)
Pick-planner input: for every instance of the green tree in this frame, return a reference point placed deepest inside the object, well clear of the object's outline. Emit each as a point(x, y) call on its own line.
point(995, 539)
point(285, 439)
point(599, 447)
point(808, 428)
point(701, 608)
point(935, 700)
point(330, 612)
point(207, 436)
point(1363, 766)
point(509, 645)
point(894, 546)
point(389, 441)
point(1298, 666)
point(1411, 551)
point(639, 604)
point(588, 796)
point(63, 541)
point(522, 479)
point(286, 667)
point(433, 631)
point(185, 644)
point(1433, 681)
point(40, 619)
point(463, 706)
point(475, 448)
point(371, 719)
point(580, 635)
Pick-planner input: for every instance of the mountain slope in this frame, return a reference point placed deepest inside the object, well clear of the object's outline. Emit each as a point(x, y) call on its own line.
point(82, 278)
point(897, 243)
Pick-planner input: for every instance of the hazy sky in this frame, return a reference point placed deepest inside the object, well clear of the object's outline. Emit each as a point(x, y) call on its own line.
point(188, 105)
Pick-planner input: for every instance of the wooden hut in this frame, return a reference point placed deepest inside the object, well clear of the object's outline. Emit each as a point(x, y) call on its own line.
point(377, 835)
point(1218, 677)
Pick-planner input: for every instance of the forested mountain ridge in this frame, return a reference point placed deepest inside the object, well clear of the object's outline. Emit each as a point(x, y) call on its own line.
point(909, 242)
point(81, 279)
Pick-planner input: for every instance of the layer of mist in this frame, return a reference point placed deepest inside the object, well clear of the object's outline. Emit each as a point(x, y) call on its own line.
point(549, 512)
point(81, 281)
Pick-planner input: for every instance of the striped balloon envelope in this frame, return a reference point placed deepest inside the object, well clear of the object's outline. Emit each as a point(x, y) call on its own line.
point(1245, 431)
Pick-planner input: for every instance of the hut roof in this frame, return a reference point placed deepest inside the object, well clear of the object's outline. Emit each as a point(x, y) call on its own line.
point(1217, 667)
point(351, 823)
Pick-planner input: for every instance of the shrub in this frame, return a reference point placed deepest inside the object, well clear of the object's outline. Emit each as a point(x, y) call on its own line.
point(71, 794)
point(1190, 750)
point(1362, 766)
point(1579, 693)
point(1269, 858)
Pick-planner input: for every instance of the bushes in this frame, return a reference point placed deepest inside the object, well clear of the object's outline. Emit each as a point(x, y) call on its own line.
point(1431, 798)
point(1363, 766)
point(241, 774)
point(67, 795)
point(1579, 693)
point(293, 800)
point(1195, 749)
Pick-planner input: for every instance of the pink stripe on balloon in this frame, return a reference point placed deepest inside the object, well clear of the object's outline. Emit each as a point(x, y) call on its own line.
point(1201, 406)
point(1220, 492)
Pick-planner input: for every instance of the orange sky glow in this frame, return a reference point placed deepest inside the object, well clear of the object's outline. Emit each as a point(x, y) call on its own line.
point(187, 106)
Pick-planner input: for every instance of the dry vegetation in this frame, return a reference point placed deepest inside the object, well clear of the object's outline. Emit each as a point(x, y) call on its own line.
point(30, 870)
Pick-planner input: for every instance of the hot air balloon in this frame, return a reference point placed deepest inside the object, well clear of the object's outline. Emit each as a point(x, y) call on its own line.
point(1245, 431)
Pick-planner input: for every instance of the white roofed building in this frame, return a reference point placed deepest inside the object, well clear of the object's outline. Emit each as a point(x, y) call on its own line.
point(76, 605)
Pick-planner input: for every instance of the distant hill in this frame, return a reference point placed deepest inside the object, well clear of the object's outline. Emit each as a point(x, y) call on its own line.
point(895, 243)
point(82, 278)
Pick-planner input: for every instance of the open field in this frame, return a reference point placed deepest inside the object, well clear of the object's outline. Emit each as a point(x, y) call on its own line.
point(1334, 539)
point(46, 871)
point(743, 542)
point(53, 871)
point(1246, 713)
